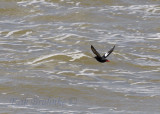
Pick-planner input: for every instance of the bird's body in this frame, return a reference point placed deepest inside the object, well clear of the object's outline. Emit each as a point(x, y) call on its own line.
point(103, 58)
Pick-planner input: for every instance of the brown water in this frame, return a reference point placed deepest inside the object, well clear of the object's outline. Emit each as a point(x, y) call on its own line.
point(46, 65)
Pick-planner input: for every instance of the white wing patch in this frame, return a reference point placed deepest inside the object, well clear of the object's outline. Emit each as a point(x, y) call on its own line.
point(105, 55)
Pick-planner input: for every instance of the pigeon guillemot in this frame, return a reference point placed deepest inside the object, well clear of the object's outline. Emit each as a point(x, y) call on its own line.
point(103, 58)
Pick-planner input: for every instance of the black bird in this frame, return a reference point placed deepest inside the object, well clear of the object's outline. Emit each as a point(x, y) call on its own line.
point(103, 58)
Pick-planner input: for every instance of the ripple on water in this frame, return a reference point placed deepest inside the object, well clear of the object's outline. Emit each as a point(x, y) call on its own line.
point(45, 53)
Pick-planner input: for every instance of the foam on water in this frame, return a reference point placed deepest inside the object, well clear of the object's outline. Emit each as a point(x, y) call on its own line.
point(45, 53)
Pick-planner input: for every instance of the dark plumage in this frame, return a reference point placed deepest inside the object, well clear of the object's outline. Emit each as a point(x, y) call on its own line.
point(103, 58)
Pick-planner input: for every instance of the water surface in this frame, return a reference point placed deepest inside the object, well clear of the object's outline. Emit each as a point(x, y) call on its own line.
point(47, 66)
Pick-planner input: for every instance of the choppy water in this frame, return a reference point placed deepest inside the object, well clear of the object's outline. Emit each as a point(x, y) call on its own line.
point(46, 65)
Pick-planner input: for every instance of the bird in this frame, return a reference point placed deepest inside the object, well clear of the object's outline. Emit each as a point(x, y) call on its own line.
point(103, 58)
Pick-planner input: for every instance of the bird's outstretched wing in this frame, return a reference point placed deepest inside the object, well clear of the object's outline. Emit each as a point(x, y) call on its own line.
point(95, 51)
point(109, 52)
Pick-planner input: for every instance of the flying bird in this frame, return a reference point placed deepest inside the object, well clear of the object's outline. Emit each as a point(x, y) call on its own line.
point(103, 58)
